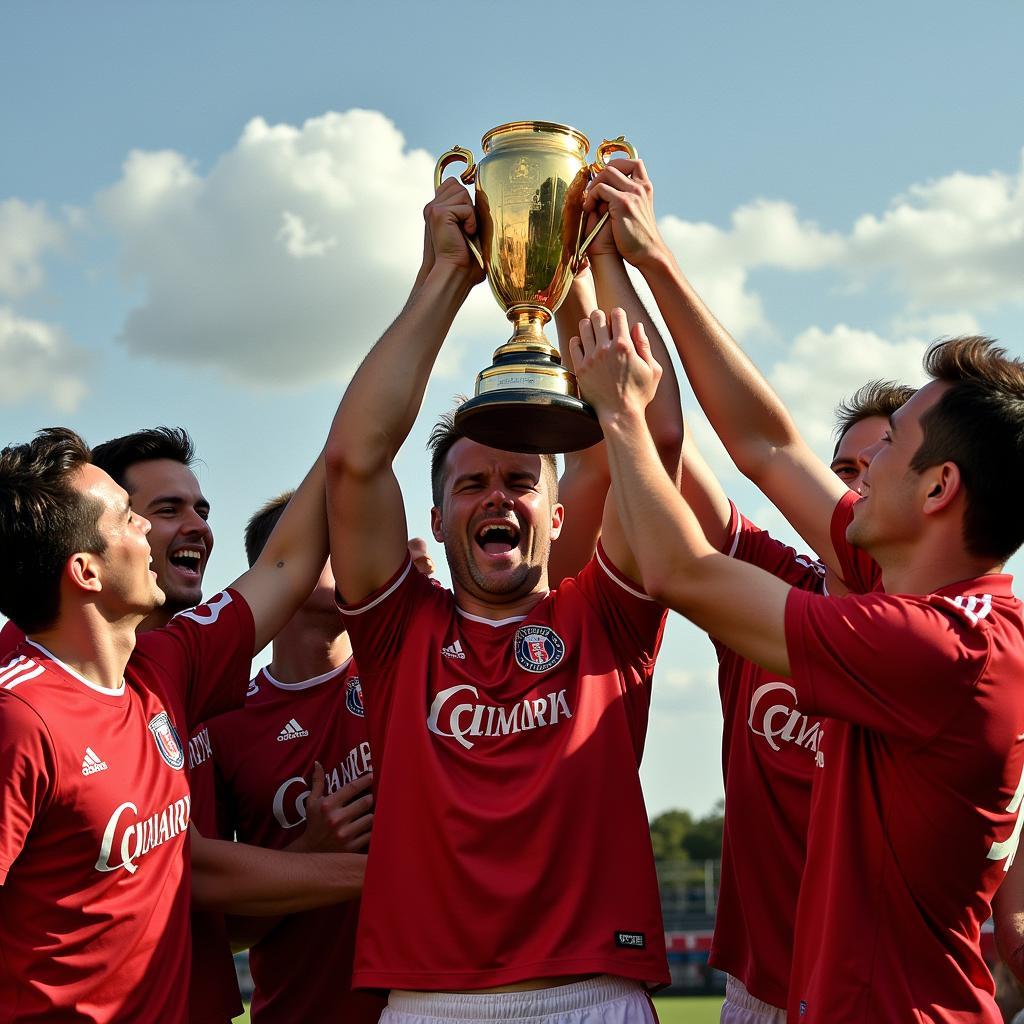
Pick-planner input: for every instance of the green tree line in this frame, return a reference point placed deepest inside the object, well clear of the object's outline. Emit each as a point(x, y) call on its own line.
point(678, 836)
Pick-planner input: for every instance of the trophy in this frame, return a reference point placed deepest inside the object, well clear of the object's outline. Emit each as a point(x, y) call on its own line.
point(530, 186)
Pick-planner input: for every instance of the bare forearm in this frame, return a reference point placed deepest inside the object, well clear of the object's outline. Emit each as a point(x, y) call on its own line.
point(291, 562)
point(249, 880)
point(735, 602)
point(745, 412)
point(664, 414)
point(384, 397)
point(650, 507)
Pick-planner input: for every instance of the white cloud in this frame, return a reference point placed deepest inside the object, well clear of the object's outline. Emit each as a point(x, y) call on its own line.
point(286, 260)
point(27, 233)
point(38, 360)
point(955, 241)
point(823, 367)
point(764, 233)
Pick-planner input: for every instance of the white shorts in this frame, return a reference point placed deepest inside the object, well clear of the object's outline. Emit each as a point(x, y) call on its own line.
point(603, 1000)
point(740, 1007)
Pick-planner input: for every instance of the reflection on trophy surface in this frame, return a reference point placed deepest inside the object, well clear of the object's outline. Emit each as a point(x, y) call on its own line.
point(530, 187)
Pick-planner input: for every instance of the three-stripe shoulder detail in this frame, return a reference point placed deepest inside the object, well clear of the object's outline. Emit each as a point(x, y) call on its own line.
point(19, 670)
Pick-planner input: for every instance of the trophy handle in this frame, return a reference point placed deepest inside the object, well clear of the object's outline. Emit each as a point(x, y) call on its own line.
point(459, 154)
point(609, 146)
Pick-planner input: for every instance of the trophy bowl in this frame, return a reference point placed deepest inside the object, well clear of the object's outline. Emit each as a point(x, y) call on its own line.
point(530, 186)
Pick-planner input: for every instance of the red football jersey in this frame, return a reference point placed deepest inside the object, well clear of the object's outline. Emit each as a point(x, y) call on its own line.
point(915, 813)
point(94, 814)
point(769, 751)
point(264, 756)
point(10, 638)
point(510, 837)
point(213, 990)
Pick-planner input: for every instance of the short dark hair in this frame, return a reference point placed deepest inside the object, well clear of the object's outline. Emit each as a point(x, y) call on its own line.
point(117, 456)
point(261, 525)
point(876, 398)
point(978, 424)
point(44, 520)
point(439, 444)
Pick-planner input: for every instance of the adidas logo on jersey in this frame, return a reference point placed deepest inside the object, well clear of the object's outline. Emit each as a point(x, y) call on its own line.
point(454, 651)
point(91, 763)
point(291, 731)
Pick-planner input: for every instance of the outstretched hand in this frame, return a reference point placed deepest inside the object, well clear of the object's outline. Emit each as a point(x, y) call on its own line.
point(625, 191)
point(448, 219)
point(616, 369)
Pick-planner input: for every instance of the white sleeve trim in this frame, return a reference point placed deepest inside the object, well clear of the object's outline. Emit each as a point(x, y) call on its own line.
point(380, 597)
point(625, 586)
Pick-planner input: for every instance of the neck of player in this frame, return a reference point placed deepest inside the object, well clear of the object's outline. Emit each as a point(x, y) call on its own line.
point(926, 567)
point(94, 647)
point(305, 649)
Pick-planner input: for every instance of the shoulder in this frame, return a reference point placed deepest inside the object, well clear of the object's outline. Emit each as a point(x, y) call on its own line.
point(32, 682)
point(406, 588)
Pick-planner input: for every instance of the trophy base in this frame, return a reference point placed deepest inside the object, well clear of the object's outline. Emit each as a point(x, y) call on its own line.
point(535, 422)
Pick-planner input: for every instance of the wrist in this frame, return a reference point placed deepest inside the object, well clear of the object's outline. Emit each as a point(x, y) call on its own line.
point(450, 278)
point(657, 259)
point(622, 420)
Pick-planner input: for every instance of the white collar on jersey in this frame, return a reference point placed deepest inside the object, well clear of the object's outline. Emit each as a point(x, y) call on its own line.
point(307, 684)
point(495, 623)
point(106, 690)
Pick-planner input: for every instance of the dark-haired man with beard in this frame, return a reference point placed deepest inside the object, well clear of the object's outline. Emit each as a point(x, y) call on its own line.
point(503, 710)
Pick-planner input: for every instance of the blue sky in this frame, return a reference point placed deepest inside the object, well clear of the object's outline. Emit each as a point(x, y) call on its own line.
point(209, 210)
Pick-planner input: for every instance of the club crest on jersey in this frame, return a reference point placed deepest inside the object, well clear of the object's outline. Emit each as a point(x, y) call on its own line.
point(537, 648)
point(167, 742)
point(354, 697)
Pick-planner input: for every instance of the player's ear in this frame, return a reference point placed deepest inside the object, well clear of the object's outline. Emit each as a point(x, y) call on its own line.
point(557, 518)
point(82, 571)
point(436, 525)
point(944, 483)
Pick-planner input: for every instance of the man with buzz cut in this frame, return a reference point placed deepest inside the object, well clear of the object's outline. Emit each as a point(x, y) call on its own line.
point(512, 873)
point(94, 798)
point(915, 816)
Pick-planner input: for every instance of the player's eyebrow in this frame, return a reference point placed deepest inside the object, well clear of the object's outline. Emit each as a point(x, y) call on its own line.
point(468, 478)
point(177, 500)
point(517, 475)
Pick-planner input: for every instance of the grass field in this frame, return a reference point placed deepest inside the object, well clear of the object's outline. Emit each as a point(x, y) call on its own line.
point(671, 1010)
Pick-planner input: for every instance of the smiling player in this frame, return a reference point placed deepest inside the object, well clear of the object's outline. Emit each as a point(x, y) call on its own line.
point(503, 710)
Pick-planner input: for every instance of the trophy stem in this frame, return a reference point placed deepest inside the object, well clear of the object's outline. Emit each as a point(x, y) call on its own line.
point(528, 322)
point(527, 401)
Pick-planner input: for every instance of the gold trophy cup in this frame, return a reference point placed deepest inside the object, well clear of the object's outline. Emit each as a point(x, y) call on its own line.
point(529, 206)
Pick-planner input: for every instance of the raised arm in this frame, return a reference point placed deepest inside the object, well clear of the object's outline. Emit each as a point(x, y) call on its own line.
point(367, 516)
point(737, 603)
point(287, 569)
point(748, 416)
point(583, 489)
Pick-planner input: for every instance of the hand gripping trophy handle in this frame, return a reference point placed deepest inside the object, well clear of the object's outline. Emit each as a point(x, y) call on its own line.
point(609, 146)
point(455, 155)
